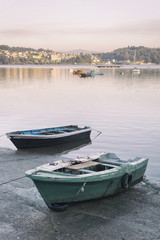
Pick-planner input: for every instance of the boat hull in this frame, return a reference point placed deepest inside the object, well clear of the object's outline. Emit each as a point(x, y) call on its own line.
point(74, 189)
point(23, 142)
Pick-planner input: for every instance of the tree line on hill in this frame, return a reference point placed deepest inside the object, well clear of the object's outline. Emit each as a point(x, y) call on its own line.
point(133, 55)
point(22, 49)
point(122, 55)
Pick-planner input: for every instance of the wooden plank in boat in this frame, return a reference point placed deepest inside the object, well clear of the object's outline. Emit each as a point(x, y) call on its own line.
point(52, 167)
point(83, 165)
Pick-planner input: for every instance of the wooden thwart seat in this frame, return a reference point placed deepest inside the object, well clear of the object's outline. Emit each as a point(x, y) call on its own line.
point(83, 165)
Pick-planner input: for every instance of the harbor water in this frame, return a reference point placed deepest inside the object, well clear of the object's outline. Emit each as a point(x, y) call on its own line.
point(123, 105)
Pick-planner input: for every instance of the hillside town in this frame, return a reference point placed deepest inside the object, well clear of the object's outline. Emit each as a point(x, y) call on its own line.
point(128, 55)
point(41, 56)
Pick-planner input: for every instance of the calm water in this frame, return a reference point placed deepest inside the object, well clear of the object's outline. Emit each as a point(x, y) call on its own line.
point(125, 108)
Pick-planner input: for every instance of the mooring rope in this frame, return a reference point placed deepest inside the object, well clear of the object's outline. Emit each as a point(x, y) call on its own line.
point(2, 135)
point(99, 132)
point(80, 190)
point(11, 181)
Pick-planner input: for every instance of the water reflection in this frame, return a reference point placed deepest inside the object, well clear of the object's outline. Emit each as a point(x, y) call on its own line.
point(24, 73)
point(59, 149)
point(125, 108)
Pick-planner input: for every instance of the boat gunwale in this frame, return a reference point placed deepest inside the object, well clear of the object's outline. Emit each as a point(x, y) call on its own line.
point(63, 177)
point(41, 136)
point(51, 176)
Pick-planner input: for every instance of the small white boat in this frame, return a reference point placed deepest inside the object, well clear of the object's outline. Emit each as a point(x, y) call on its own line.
point(136, 70)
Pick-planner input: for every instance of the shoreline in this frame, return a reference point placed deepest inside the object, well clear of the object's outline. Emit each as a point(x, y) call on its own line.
point(51, 66)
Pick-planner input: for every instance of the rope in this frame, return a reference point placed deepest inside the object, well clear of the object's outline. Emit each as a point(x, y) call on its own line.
point(99, 132)
point(2, 135)
point(11, 180)
point(80, 190)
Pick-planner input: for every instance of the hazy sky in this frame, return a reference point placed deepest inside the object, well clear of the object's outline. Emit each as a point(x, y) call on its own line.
point(99, 25)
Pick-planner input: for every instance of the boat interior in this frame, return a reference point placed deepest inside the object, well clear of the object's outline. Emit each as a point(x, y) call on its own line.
point(84, 165)
point(84, 170)
point(96, 165)
point(51, 131)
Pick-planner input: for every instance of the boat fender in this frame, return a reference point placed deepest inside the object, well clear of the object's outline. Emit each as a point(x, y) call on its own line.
point(126, 180)
point(58, 206)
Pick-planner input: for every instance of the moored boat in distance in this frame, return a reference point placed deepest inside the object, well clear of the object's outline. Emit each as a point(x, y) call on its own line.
point(136, 70)
point(90, 74)
point(48, 136)
point(78, 72)
point(84, 75)
point(93, 73)
point(85, 178)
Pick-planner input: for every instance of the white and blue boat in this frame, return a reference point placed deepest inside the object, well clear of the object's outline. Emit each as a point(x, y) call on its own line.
point(48, 136)
point(93, 73)
point(136, 70)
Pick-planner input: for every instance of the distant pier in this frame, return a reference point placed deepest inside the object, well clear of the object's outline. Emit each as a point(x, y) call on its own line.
point(109, 66)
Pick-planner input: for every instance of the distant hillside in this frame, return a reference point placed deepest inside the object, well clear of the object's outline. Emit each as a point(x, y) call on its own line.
point(22, 49)
point(128, 55)
point(15, 49)
point(132, 55)
point(78, 51)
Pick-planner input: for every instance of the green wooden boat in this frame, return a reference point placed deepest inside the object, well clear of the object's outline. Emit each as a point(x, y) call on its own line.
point(85, 178)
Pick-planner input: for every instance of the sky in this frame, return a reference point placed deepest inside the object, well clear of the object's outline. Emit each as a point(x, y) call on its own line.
point(95, 25)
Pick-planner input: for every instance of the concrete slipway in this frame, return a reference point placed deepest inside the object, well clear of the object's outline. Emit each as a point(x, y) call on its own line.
point(131, 215)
